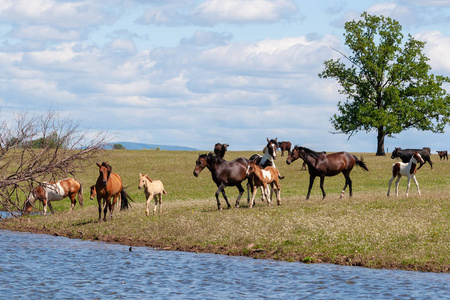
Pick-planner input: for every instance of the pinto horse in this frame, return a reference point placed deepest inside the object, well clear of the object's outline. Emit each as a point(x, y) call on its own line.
point(55, 191)
point(406, 169)
point(321, 164)
point(224, 173)
point(270, 154)
point(109, 185)
point(284, 146)
point(260, 177)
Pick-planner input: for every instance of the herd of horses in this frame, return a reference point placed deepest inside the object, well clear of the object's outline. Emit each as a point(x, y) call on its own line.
point(259, 171)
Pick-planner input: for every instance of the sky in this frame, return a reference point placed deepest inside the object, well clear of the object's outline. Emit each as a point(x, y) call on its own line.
point(197, 72)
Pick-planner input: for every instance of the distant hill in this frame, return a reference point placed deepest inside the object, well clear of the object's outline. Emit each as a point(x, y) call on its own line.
point(141, 146)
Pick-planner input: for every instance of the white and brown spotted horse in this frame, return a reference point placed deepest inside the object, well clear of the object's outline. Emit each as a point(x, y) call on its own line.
point(406, 169)
point(55, 191)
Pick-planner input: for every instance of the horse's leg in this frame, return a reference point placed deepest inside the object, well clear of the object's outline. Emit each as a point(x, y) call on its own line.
point(408, 185)
point(99, 201)
point(396, 184)
point(220, 189)
point(254, 190)
point(160, 203)
point(73, 201)
point(147, 204)
point(50, 206)
point(390, 182)
point(106, 203)
point(241, 191)
point(155, 198)
point(322, 179)
point(417, 184)
point(311, 181)
point(348, 182)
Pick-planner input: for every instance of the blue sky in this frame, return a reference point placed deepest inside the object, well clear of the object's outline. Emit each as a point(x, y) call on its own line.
point(194, 73)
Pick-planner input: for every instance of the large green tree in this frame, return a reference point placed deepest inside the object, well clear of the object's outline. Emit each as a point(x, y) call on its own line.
point(387, 83)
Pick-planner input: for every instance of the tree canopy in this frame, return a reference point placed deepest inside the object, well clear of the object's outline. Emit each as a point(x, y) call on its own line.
point(387, 83)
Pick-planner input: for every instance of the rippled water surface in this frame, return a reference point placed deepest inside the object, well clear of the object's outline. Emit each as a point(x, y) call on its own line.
point(34, 266)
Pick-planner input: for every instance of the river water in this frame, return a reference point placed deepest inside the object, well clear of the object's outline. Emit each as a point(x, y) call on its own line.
point(35, 266)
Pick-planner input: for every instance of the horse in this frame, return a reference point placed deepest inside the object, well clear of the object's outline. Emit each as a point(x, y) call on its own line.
point(220, 149)
point(55, 191)
point(405, 155)
point(154, 189)
point(224, 173)
point(263, 178)
point(442, 154)
point(321, 164)
point(109, 185)
point(270, 154)
point(407, 169)
point(284, 146)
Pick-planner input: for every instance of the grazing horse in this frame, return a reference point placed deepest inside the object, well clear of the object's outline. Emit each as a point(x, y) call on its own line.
point(321, 164)
point(55, 191)
point(405, 155)
point(407, 169)
point(284, 146)
point(270, 154)
point(263, 178)
point(109, 185)
point(224, 173)
point(442, 154)
point(220, 149)
point(154, 189)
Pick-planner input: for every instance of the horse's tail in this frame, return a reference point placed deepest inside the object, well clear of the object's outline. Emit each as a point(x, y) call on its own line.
point(80, 194)
point(164, 192)
point(279, 176)
point(361, 163)
point(125, 200)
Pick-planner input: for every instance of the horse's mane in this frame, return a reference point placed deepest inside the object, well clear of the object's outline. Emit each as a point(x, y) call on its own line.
point(148, 178)
point(310, 152)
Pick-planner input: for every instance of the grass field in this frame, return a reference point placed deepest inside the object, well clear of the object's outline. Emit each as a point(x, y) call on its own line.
point(368, 229)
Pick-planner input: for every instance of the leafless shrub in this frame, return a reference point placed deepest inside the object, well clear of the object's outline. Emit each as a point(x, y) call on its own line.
point(41, 148)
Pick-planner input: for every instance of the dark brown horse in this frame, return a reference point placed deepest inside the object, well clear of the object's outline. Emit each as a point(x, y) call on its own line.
point(224, 173)
point(321, 164)
point(405, 155)
point(220, 149)
point(285, 146)
point(109, 185)
point(442, 154)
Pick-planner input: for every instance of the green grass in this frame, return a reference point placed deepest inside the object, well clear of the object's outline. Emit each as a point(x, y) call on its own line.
point(368, 229)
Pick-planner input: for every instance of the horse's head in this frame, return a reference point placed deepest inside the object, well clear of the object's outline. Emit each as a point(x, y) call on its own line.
point(200, 164)
point(272, 146)
point(220, 149)
point(417, 158)
point(251, 167)
point(93, 192)
point(294, 155)
point(35, 194)
point(142, 180)
point(395, 153)
point(105, 171)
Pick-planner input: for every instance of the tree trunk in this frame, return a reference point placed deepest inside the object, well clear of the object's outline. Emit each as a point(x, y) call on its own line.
point(380, 142)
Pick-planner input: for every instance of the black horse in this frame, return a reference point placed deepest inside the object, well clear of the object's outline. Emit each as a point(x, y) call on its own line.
point(405, 155)
point(224, 173)
point(220, 149)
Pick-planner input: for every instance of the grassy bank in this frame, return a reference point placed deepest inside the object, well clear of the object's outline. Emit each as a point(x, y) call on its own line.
point(368, 230)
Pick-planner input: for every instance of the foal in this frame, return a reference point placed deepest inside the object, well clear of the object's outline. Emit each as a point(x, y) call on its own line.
point(407, 169)
point(263, 178)
point(154, 189)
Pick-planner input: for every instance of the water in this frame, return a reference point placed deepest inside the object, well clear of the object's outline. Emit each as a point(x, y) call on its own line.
point(34, 266)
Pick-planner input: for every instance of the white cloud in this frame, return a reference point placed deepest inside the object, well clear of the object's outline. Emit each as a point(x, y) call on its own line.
point(436, 49)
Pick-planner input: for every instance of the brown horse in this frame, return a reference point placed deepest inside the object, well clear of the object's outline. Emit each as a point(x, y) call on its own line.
point(55, 191)
point(109, 185)
point(224, 173)
point(259, 177)
point(285, 146)
point(321, 164)
point(220, 149)
point(442, 154)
